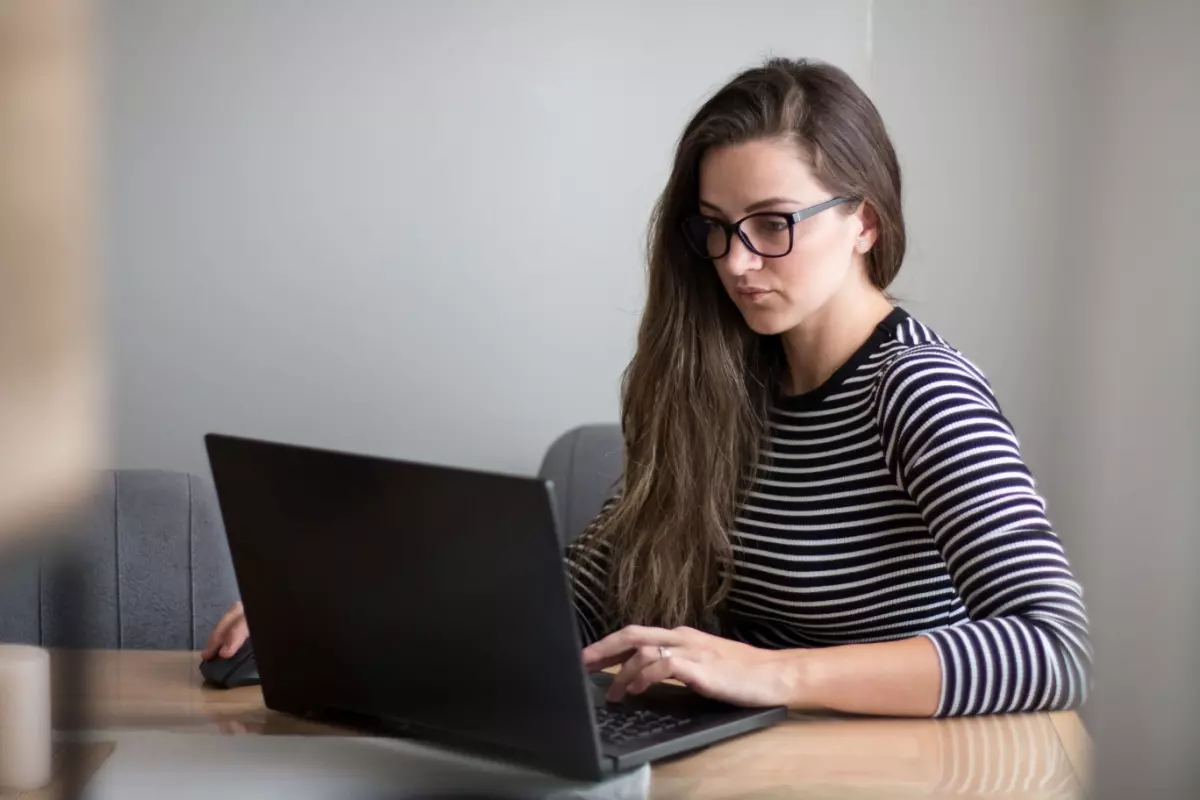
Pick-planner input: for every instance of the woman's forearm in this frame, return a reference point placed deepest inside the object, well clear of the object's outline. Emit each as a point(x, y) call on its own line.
point(901, 678)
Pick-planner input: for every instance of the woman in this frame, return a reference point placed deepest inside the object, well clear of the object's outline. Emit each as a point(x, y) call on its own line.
point(822, 505)
point(816, 483)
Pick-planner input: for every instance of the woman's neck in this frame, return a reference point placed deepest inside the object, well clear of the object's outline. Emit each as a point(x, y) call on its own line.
point(818, 346)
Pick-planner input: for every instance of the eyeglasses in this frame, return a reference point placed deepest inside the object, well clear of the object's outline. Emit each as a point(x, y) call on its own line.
point(767, 233)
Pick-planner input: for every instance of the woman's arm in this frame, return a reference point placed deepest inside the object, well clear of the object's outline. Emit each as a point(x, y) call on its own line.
point(1026, 646)
point(901, 678)
point(588, 562)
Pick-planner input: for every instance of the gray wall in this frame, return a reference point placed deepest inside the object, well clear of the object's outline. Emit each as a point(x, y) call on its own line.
point(1130, 385)
point(413, 229)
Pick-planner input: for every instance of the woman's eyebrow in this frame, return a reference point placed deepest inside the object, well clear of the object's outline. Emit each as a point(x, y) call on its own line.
point(750, 209)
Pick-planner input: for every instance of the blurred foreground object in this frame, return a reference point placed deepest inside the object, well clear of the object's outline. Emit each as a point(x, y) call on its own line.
point(24, 717)
point(51, 432)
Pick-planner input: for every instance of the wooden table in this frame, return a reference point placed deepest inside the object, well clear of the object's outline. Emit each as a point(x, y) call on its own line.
point(1025, 756)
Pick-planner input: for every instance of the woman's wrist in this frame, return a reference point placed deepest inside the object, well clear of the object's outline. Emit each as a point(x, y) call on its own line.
point(897, 678)
point(798, 675)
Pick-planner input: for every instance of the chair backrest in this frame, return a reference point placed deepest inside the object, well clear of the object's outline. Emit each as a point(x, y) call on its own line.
point(152, 563)
point(585, 465)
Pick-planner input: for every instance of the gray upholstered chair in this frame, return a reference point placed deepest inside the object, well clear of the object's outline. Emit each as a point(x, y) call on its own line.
point(154, 569)
point(584, 465)
point(156, 572)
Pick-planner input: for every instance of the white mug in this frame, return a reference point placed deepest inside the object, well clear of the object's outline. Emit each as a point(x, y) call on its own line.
point(24, 717)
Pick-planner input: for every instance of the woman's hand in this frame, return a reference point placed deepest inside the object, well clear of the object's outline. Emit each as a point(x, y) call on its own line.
point(718, 668)
point(229, 634)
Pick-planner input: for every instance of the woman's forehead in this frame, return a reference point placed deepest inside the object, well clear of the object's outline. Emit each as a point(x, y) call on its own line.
point(733, 177)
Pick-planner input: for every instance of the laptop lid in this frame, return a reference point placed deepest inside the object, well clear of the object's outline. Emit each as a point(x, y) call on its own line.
point(423, 597)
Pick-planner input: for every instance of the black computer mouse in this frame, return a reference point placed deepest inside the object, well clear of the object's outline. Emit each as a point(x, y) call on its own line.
point(240, 669)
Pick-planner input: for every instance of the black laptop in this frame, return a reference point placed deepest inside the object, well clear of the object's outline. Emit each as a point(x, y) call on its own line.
point(432, 602)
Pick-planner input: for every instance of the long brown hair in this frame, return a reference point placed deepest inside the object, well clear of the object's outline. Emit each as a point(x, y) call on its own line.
point(695, 396)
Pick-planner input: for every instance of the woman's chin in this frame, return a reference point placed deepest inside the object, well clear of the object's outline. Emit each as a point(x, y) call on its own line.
point(766, 323)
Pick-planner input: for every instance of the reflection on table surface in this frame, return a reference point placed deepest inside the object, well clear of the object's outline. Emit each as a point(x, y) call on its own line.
point(1026, 756)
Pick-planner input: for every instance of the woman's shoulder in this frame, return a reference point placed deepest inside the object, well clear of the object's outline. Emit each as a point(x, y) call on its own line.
point(918, 357)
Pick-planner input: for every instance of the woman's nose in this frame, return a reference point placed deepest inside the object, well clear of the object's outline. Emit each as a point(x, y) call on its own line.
point(740, 259)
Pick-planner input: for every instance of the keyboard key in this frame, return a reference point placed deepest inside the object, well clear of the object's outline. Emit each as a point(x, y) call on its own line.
point(619, 723)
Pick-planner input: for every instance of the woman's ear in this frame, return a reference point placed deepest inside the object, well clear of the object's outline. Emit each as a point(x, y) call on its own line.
point(869, 227)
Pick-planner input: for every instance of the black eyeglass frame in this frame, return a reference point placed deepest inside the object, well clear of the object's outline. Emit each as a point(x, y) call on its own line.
point(731, 228)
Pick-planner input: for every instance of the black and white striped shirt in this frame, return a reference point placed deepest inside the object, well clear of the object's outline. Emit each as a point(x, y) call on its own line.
point(893, 502)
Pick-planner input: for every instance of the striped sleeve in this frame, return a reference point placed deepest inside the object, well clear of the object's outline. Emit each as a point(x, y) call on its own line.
point(588, 561)
point(946, 442)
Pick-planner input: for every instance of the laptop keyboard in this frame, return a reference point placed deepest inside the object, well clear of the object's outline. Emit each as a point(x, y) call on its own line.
point(619, 723)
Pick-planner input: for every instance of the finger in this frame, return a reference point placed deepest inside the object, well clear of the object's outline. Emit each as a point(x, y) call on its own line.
point(657, 671)
point(681, 668)
point(611, 646)
point(631, 671)
point(217, 637)
point(620, 645)
point(218, 632)
point(596, 666)
point(235, 638)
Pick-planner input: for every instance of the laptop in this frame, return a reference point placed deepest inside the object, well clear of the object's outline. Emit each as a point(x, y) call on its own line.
point(432, 602)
